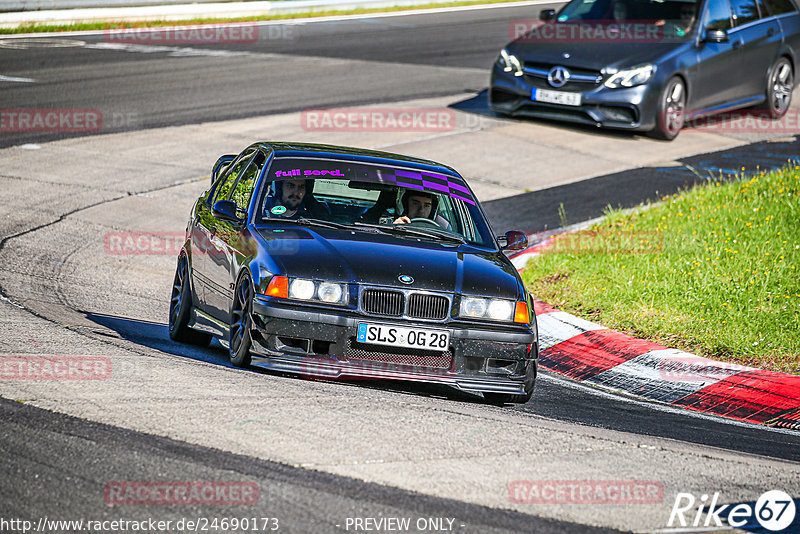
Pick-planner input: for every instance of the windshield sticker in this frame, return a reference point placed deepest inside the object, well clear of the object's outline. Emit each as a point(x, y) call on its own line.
point(430, 182)
point(309, 172)
point(278, 210)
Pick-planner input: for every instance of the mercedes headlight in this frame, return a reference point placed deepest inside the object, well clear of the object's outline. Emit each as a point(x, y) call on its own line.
point(509, 63)
point(631, 77)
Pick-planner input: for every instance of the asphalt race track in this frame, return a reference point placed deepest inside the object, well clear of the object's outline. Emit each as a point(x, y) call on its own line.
point(320, 453)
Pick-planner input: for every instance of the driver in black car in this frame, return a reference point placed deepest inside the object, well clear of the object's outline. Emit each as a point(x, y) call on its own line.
point(293, 200)
point(421, 204)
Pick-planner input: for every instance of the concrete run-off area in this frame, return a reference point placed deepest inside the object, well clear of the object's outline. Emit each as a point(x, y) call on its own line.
point(66, 295)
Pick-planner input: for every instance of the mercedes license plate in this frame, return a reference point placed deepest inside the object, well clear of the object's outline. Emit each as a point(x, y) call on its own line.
point(401, 336)
point(556, 97)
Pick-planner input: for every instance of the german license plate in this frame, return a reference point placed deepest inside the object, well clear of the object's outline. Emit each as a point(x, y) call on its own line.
point(401, 336)
point(556, 97)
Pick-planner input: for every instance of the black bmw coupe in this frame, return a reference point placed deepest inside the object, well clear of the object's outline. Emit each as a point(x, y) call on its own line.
point(339, 262)
point(650, 65)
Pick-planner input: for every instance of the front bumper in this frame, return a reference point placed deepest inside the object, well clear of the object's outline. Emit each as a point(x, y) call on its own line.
point(322, 344)
point(634, 108)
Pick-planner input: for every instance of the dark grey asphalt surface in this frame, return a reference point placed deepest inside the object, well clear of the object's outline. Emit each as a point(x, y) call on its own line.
point(58, 464)
point(555, 397)
point(156, 89)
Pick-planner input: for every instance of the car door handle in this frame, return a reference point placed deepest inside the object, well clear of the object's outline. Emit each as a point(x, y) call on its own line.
point(770, 32)
point(737, 43)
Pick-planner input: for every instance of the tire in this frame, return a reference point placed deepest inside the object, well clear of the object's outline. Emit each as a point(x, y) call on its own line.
point(780, 85)
point(180, 308)
point(239, 340)
point(671, 107)
point(506, 398)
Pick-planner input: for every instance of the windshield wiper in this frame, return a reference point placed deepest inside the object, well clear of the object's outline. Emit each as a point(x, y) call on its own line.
point(405, 229)
point(310, 222)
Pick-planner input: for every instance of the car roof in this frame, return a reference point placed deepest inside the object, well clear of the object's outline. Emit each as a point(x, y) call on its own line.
point(299, 150)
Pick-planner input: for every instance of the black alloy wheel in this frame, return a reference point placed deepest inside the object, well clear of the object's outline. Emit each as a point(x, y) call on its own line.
point(241, 323)
point(180, 308)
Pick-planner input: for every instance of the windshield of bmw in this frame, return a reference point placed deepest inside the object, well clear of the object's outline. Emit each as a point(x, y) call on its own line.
point(659, 19)
point(370, 197)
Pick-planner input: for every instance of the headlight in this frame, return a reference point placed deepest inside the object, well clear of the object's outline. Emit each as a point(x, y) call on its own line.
point(509, 63)
point(493, 309)
point(473, 307)
point(500, 310)
point(303, 289)
point(328, 292)
point(631, 77)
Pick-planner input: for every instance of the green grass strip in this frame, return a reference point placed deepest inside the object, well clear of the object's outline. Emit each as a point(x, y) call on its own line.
point(712, 270)
point(42, 28)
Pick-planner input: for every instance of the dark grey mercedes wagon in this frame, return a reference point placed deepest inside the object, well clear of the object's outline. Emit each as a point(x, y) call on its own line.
point(650, 65)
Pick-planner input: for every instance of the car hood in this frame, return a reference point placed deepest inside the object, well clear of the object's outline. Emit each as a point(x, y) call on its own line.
point(592, 56)
point(379, 259)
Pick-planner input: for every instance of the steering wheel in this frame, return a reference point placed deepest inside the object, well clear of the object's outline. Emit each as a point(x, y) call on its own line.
point(425, 221)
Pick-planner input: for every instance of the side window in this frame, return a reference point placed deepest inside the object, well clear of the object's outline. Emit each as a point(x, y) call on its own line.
point(225, 187)
point(744, 11)
point(780, 7)
point(718, 15)
point(244, 187)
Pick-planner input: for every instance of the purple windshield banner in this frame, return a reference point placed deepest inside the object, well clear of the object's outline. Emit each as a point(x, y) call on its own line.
point(434, 183)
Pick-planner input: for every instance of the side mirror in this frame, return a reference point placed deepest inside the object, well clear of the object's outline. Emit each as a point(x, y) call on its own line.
point(226, 210)
point(715, 36)
point(547, 14)
point(515, 240)
point(222, 162)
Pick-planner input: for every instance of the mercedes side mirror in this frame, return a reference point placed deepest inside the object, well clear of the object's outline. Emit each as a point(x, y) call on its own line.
point(715, 36)
point(547, 14)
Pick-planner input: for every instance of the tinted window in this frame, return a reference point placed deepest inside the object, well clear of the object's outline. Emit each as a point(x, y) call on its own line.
point(779, 7)
point(718, 15)
point(744, 11)
point(243, 190)
point(228, 182)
